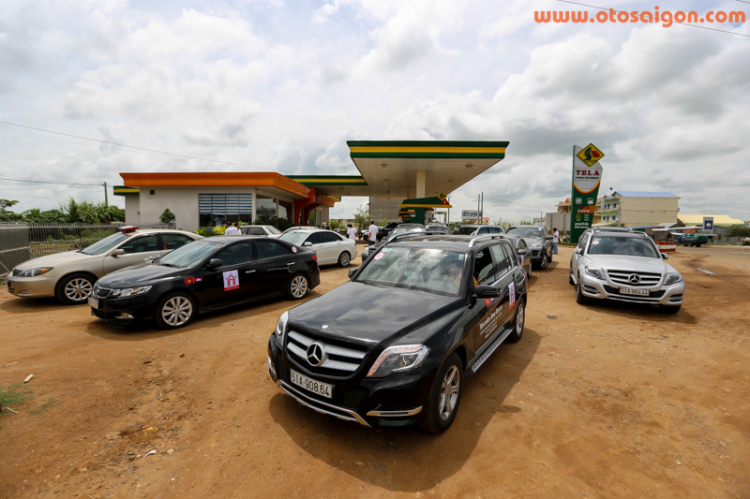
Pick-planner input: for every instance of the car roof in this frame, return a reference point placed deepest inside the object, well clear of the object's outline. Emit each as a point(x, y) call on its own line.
point(159, 231)
point(532, 226)
point(639, 235)
point(447, 242)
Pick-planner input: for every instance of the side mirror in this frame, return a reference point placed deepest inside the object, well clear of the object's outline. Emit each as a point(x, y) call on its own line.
point(117, 252)
point(308, 244)
point(548, 238)
point(487, 291)
point(153, 259)
point(214, 262)
point(579, 251)
point(522, 251)
point(352, 272)
point(665, 256)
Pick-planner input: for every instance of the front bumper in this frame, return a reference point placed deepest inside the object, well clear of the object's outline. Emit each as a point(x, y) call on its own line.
point(391, 401)
point(124, 311)
point(659, 294)
point(32, 287)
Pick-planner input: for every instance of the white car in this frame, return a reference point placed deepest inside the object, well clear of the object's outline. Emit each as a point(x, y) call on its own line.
point(330, 247)
point(260, 230)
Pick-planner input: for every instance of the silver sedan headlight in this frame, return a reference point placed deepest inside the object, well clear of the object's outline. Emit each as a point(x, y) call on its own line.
point(128, 292)
point(593, 271)
point(398, 359)
point(673, 278)
point(34, 272)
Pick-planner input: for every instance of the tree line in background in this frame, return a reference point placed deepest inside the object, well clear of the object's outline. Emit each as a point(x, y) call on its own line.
point(71, 211)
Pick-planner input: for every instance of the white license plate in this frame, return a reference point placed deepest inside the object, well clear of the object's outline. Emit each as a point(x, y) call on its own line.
point(310, 384)
point(93, 303)
point(635, 292)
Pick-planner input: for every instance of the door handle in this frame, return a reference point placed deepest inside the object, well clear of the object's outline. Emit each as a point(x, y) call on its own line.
point(249, 271)
point(291, 263)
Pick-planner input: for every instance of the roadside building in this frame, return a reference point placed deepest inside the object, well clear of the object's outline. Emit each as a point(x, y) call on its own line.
point(639, 208)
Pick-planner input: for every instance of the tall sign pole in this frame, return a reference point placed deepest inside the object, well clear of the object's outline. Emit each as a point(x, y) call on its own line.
point(587, 176)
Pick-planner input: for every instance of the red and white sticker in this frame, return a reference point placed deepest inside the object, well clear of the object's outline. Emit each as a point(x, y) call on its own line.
point(294, 249)
point(379, 256)
point(231, 280)
point(595, 242)
point(512, 294)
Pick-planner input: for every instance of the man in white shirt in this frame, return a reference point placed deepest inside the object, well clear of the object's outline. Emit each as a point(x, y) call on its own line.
point(233, 230)
point(373, 232)
point(555, 240)
point(351, 233)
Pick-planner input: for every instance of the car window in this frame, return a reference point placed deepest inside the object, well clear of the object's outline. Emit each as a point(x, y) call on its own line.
point(510, 255)
point(105, 244)
point(484, 267)
point(270, 249)
point(582, 242)
point(330, 237)
point(501, 260)
point(141, 244)
point(253, 231)
point(236, 254)
point(315, 238)
point(628, 246)
point(174, 241)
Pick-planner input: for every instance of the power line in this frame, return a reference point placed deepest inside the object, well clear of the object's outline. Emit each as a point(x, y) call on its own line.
point(144, 149)
point(685, 24)
point(12, 179)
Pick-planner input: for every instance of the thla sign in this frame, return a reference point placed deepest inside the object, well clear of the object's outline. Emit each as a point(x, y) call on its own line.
point(587, 176)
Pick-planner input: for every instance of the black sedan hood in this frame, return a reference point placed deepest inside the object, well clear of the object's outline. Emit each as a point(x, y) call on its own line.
point(139, 275)
point(367, 313)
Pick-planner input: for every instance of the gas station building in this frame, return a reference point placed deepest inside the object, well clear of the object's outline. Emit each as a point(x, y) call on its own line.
point(415, 176)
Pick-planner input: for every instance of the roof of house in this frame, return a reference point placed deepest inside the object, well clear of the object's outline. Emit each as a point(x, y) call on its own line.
point(687, 218)
point(643, 194)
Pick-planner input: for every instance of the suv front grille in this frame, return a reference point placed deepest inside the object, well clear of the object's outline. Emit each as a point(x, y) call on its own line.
point(643, 278)
point(338, 360)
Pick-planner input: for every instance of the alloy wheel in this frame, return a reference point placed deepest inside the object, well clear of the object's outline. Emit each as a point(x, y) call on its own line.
point(344, 259)
point(449, 393)
point(177, 311)
point(78, 289)
point(299, 286)
point(520, 317)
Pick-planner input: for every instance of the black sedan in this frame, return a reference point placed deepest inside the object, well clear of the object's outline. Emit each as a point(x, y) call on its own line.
point(203, 276)
point(393, 346)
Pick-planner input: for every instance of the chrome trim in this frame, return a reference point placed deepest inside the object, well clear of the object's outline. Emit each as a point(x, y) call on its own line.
point(298, 396)
point(271, 368)
point(481, 238)
point(395, 414)
point(327, 362)
point(634, 278)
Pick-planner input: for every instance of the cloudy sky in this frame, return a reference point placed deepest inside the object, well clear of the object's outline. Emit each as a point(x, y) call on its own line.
point(271, 85)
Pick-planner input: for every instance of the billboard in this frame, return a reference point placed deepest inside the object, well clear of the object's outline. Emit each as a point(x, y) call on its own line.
point(469, 214)
point(708, 224)
point(587, 176)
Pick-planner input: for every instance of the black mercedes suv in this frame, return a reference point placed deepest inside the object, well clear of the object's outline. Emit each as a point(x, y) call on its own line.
point(393, 345)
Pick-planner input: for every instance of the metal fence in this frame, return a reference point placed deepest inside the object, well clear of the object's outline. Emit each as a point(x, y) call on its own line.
point(20, 242)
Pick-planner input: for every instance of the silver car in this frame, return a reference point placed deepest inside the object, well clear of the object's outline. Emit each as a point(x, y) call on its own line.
point(624, 267)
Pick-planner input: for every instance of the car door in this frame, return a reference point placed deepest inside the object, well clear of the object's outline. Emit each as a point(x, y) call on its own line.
point(137, 250)
point(231, 282)
point(274, 265)
point(316, 240)
point(485, 312)
point(333, 245)
point(515, 276)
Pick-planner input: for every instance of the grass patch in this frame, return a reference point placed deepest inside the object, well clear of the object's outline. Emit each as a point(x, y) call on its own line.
point(42, 409)
point(12, 396)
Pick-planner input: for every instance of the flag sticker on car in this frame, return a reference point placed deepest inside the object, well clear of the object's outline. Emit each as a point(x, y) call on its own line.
point(231, 280)
point(189, 281)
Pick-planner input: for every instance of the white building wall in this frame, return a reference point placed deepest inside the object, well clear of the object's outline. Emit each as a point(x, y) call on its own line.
point(132, 210)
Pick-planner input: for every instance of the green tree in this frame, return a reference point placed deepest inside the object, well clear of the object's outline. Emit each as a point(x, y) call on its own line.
point(738, 231)
point(384, 221)
point(167, 217)
point(362, 216)
point(335, 224)
point(5, 214)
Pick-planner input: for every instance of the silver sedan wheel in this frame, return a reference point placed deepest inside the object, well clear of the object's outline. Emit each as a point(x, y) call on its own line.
point(299, 286)
point(78, 289)
point(177, 311)
point(449, 393)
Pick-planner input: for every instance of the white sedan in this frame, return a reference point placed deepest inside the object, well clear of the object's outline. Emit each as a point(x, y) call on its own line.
point(330, 247)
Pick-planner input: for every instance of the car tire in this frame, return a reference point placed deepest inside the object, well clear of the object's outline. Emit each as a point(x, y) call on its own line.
point(297, 287)
point(344, 259)
point(444, 399)
point(74, 289)
point(581, 299)
point(518, 322)
point(175, 310)
point(570, 278)
point(545, 261)
point(670, 309)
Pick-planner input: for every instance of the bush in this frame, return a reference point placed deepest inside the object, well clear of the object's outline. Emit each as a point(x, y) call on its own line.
point(280, 223)
point(167, 217)
point(738, 231)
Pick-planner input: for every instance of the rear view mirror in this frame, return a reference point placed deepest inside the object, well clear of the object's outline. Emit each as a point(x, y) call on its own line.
point(117, 252)
point(487, 291)
point(352, 272)
point(214, 262)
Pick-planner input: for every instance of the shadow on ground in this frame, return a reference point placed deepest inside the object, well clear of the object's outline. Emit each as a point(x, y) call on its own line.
point(409, 459)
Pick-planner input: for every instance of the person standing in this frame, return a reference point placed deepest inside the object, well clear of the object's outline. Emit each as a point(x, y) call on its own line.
point(373, 232)
point(555, 239)
point(351, 233)
point(233, 230)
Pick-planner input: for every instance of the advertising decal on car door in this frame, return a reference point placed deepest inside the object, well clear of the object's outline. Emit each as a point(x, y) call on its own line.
point(512, 294)
point(231, 280)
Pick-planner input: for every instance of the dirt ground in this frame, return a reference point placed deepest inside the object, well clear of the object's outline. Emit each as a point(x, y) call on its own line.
point(607, 400)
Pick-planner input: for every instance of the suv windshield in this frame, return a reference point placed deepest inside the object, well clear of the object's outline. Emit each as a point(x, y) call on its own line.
point(465, 231)
point(295, 237)
point(422, 269)
point(189, 255)
point(105, 244)
point(527, 231)
point(628, 246)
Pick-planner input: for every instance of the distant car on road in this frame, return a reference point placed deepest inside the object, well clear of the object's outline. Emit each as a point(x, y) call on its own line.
point(696, 240)
point(70, 276)
point(331, 248)
point(624, 267)
point(539, 243)
point(206, 275)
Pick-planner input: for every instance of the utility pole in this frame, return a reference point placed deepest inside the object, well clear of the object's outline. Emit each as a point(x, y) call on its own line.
point(106, 203)
point(479, 220)
point(481, 214)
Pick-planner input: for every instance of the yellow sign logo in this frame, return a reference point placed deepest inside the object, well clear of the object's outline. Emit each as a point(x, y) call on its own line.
point(590, 154)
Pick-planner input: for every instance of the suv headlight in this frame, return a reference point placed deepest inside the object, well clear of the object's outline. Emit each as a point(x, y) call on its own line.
point(536, 246)
point(34, 272)
point(128, 292)
point(672, 278)
point(595, 272)
point(281, 328)
point(398, 359)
